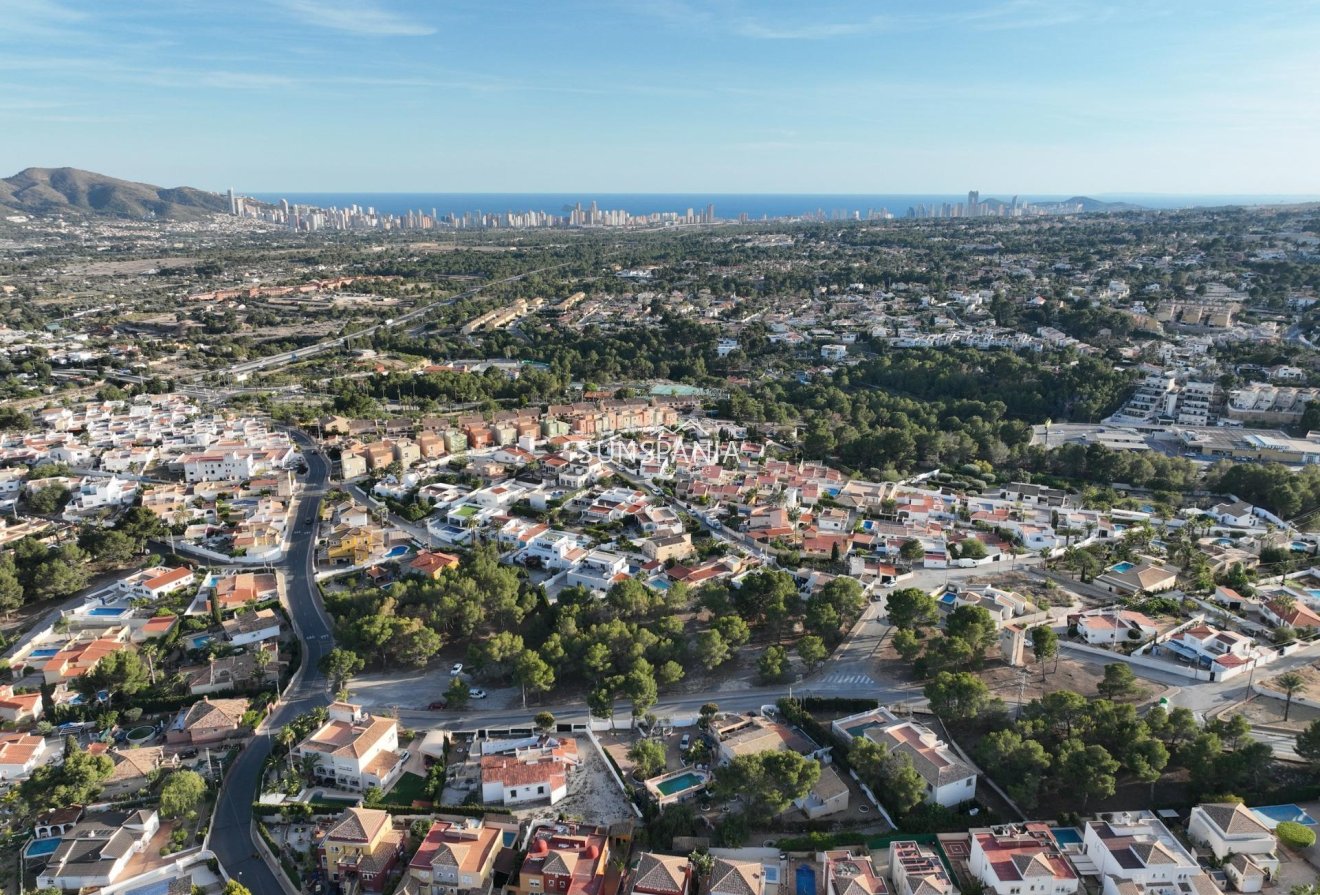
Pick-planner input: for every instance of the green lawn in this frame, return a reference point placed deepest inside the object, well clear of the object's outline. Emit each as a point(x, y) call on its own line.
point(407, 789)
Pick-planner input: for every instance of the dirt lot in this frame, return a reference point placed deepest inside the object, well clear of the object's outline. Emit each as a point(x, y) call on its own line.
point(1041, 591)
point(592, 793)
point(1310, 690)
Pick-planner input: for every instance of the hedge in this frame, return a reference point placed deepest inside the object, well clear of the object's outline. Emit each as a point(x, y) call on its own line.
point(1294, 835)
point(838, 704)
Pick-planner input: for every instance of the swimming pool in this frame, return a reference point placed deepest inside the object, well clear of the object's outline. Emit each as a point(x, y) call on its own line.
point(679, 783)
point(1300, 547)
point(108, 611)
point(1067, 835)
point(1315, 592)
point(1122, 567)
point(1277, 814)
point(40, 848)
point(396, 552)
point(201, 640)
point(42, 653)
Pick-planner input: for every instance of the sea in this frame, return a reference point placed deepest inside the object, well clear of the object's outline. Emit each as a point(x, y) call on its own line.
point(756, 206)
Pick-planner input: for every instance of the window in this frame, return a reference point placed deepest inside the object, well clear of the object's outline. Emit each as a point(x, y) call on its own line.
point(540, 790)
point(970, 781)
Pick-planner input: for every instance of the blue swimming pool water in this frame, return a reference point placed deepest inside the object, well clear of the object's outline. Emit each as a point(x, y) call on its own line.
point(108, 611)
point(1223, 542)
point(1067, 835)
point(201, 640)
point(1300, 546)
point(39, 848)
point(396, 552)
point(43, 653)
point(1315, 592)
point(1280, 813)
point(1121, 567)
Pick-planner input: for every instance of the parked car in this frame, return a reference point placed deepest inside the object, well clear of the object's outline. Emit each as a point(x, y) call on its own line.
point(477, 693)
point(456, 669)
point(685, 742)
point(438, 706)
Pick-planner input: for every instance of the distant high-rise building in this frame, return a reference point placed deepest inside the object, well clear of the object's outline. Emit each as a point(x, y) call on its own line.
point(973, 203)
point(710, 213)
point(233, 203)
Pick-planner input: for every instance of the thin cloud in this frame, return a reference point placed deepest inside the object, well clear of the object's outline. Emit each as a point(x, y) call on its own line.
point(810, 31)
point(359, 17)
point(37, 18)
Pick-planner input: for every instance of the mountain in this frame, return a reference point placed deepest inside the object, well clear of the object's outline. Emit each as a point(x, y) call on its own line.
point(71, 191)
point(1088, 204)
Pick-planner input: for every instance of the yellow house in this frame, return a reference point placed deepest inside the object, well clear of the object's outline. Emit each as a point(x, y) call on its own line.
point(354, 546)
point(361, 849)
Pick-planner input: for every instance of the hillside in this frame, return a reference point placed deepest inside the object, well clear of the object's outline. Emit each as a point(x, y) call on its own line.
point(71, 191)
point(1092, 205)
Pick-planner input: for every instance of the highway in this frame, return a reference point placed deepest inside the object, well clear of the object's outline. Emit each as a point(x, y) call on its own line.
point(231, 828)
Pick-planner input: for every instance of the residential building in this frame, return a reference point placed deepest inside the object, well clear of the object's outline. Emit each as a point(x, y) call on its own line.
point(849, 874)
point(829, 795)
point(1281, 611)
point(77, 657)
point(916, 869)
point(949, 780)
point(20, 753)
point(1134, 847)
point(750, 736)
point(240, 588)
point(729, 876)
point(529, 773)
point(665, 548)
point(455, 858)
point(353, 750)
point(1020, 859)
point(360, 849)
point(208, 721)
point(252, 627)
point(432, 564)
point(1131, 578)
point(1236, 515)
point(19, 708)
point(1222, 653)
point(598, 571)
point(662, 875)
point(1231, 828)
point(1113, 625)
point(95, 852)
point(236, 672)
point(566, 859)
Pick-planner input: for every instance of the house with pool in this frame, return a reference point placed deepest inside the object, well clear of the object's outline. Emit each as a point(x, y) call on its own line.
point(1142, 575)
point(677, 786)
point(1231, 831)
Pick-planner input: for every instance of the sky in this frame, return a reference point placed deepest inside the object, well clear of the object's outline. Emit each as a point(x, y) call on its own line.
point(1042, 97)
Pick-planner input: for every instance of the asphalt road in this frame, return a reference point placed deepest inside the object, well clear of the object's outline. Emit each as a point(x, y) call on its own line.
point(231, 836)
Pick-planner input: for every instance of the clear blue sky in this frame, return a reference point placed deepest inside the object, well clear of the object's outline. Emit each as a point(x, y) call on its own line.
point(849, 96)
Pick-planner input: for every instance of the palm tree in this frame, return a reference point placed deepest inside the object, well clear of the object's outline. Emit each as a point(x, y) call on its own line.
point(1289, 682)
point(151, 651)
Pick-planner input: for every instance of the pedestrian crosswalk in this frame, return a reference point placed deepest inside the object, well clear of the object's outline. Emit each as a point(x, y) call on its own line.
point(860, 680)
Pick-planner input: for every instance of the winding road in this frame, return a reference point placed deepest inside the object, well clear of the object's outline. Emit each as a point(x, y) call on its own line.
point(231, 828)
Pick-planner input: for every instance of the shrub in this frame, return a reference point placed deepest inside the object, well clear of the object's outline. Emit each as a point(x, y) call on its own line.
point(1294, 835)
